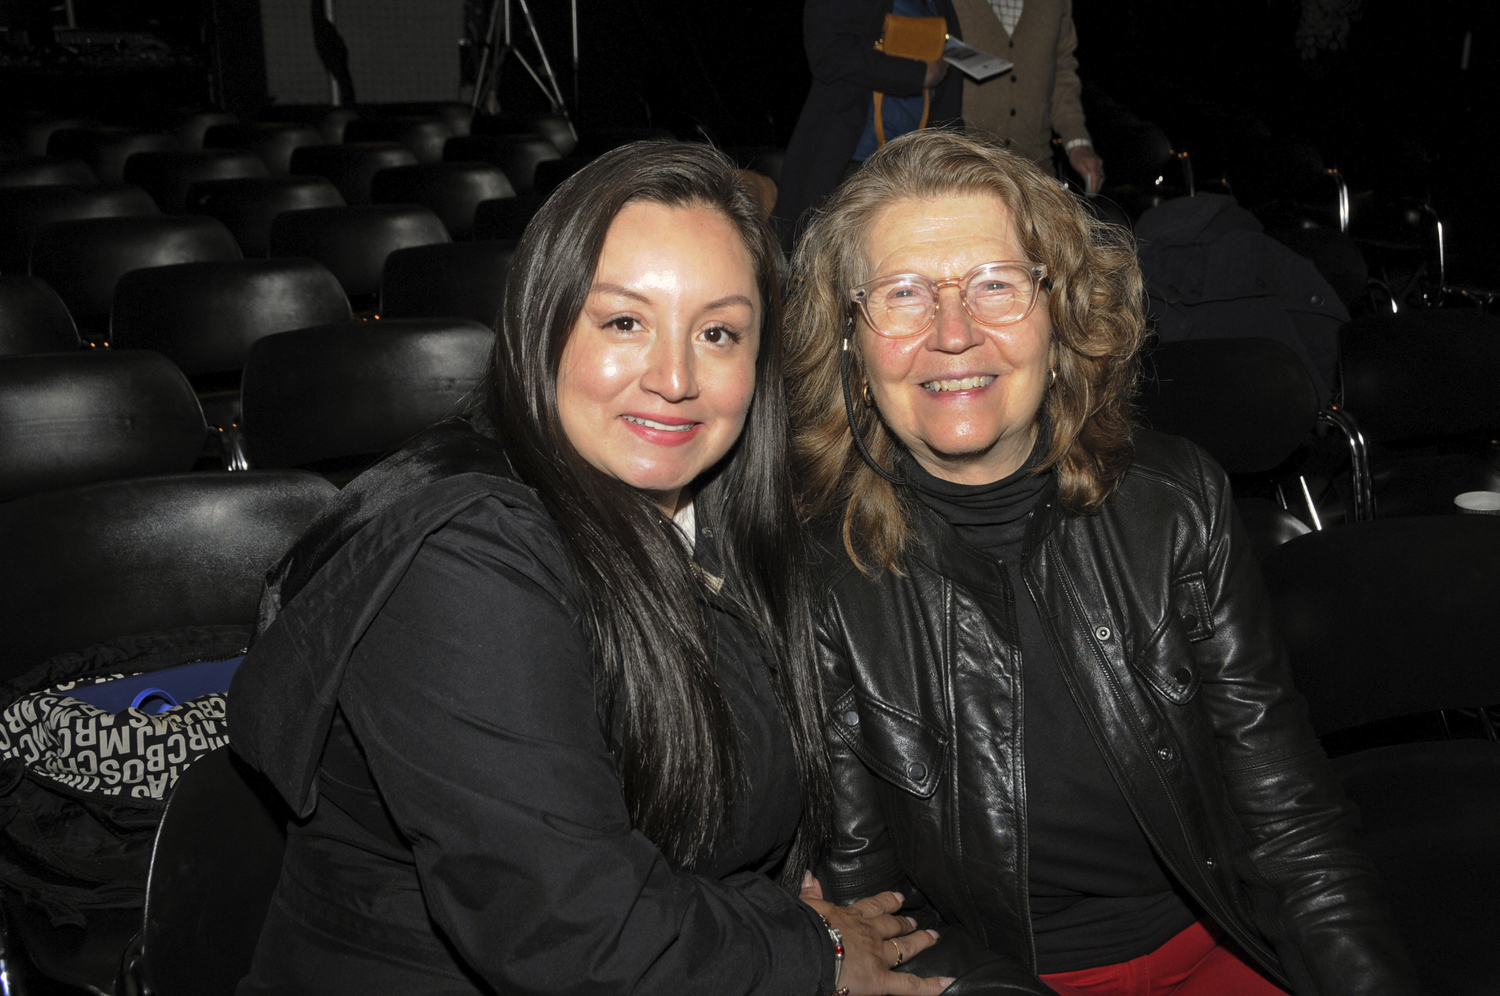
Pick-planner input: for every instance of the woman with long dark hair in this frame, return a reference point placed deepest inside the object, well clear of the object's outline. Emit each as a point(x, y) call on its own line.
point(538, 688)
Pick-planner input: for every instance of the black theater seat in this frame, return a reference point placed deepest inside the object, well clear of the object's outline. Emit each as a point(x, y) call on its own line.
point(457, 116)
point(36, 171)
point(72, 418)
point(83, 260)
point(248, 206)
point(452, 190)
point(505, 218)
point(105, 147)
point(191, 128)
point(273, 141)
point(166, 176)
point(558, 130)
point(517, 155)
point(551, 173)
point(169, 551)
point(33, 318)
point(338, 396)
point(327, 120)
point(597, 142)
point(424, 136)
point(354, 241)
point(36, 134)
point(1424, 385)
point(24, 210)
point(457, 279)
point(1386, 619)
point(205, 316)
point(351, 167)
point(214, 871)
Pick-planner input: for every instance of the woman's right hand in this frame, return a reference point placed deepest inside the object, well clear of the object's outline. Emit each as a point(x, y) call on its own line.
point(874, 938)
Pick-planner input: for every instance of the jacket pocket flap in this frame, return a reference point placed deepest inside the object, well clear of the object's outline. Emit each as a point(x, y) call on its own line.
point(1190, 602)
point(897, 746)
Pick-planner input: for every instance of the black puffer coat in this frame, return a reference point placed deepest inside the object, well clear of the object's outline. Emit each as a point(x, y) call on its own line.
point(1158, 617)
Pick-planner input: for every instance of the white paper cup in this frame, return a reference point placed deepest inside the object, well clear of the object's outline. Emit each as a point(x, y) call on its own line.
point(1478, 503)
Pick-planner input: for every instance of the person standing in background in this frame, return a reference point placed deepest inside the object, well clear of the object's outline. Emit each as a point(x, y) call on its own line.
point(836, 129)
point(1020, 109)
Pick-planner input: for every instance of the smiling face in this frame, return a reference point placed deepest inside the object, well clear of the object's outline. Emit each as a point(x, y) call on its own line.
point(962, 396)
point(658, 372)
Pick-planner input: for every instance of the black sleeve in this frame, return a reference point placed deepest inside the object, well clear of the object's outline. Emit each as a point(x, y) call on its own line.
point(1338, 936)
point(841, 49)
point(472, 698)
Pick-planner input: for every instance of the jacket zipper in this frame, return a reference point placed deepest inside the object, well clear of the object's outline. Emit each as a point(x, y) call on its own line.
point(1023, 833)
point(1207, 898)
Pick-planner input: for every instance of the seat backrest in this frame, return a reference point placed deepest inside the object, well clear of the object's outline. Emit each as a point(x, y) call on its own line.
point(597, 141)
point(38, 133)
point(205, 316)
point(517, 155)
point(193, 126)
point(1390, 617)
point(37, 171)
point(454, 279)
point(106, 147)
point(1249, 402)
point(89, 564)
point(83, 260)
point(354, 241)
point(1421, 373)
point(351, 167)
point(505, 217)
point(550, 173)
point(24, 210)
point(329, 121)
point(167, 175)
point(213, 872)
point(33, 319)
point(558, 130)
point(424, 135)
point(451, 190)
point(356, 388)
point(274, 142)
point(248, 206)
point(1268, 524)
point(93, 415)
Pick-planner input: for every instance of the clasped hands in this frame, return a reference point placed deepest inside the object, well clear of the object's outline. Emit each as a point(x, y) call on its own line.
point(875, 942)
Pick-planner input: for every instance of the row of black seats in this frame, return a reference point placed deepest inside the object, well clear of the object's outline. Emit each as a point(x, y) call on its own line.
point(332, 397)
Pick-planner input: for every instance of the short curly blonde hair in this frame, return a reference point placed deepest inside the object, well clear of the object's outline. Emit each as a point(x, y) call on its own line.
point(1096, 306)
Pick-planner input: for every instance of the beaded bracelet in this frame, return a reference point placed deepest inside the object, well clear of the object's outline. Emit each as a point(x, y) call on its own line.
point(837, 937)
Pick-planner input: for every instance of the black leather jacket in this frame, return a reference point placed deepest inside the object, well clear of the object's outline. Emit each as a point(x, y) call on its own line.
point(1158, 617)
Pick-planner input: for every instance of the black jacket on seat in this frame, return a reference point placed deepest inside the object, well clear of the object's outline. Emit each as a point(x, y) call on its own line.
point(1160, 622)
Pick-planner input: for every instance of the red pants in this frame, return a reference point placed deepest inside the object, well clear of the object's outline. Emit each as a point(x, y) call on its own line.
point(1194, 963)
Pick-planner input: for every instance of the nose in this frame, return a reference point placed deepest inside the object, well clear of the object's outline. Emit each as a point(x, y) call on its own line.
point(670, 368)
point(953, 329)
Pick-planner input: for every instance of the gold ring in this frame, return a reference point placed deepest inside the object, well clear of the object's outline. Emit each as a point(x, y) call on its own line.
point(900, 955)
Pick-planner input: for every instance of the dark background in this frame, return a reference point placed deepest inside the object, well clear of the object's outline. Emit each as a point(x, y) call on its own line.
point(1373, 86)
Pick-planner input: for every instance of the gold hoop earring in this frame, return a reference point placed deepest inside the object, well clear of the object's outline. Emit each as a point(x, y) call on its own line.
point(865, 392)
point(1054, 377)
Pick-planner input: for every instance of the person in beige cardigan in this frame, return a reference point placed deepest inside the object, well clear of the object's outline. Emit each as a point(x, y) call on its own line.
point(1021, 108)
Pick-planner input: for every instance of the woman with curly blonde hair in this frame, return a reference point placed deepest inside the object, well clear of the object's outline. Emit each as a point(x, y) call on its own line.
point(1060, 720)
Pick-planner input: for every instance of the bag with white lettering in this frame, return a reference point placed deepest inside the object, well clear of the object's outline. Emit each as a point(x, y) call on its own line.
point(82, 788)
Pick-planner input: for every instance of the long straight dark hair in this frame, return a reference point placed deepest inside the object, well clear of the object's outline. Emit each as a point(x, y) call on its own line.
point(680, 766)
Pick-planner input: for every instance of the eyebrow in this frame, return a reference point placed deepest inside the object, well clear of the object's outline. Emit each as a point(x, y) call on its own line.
point(723, 302)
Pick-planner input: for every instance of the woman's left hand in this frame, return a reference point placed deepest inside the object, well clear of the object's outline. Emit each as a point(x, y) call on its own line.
point(875, 942)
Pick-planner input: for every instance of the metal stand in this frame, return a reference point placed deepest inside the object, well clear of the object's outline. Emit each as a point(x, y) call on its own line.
point(500, 44)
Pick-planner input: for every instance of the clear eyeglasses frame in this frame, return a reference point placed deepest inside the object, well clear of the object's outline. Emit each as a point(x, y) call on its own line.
point(901, 305)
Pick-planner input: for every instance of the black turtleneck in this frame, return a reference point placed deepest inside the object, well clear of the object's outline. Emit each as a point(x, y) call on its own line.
point(1099, 895)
